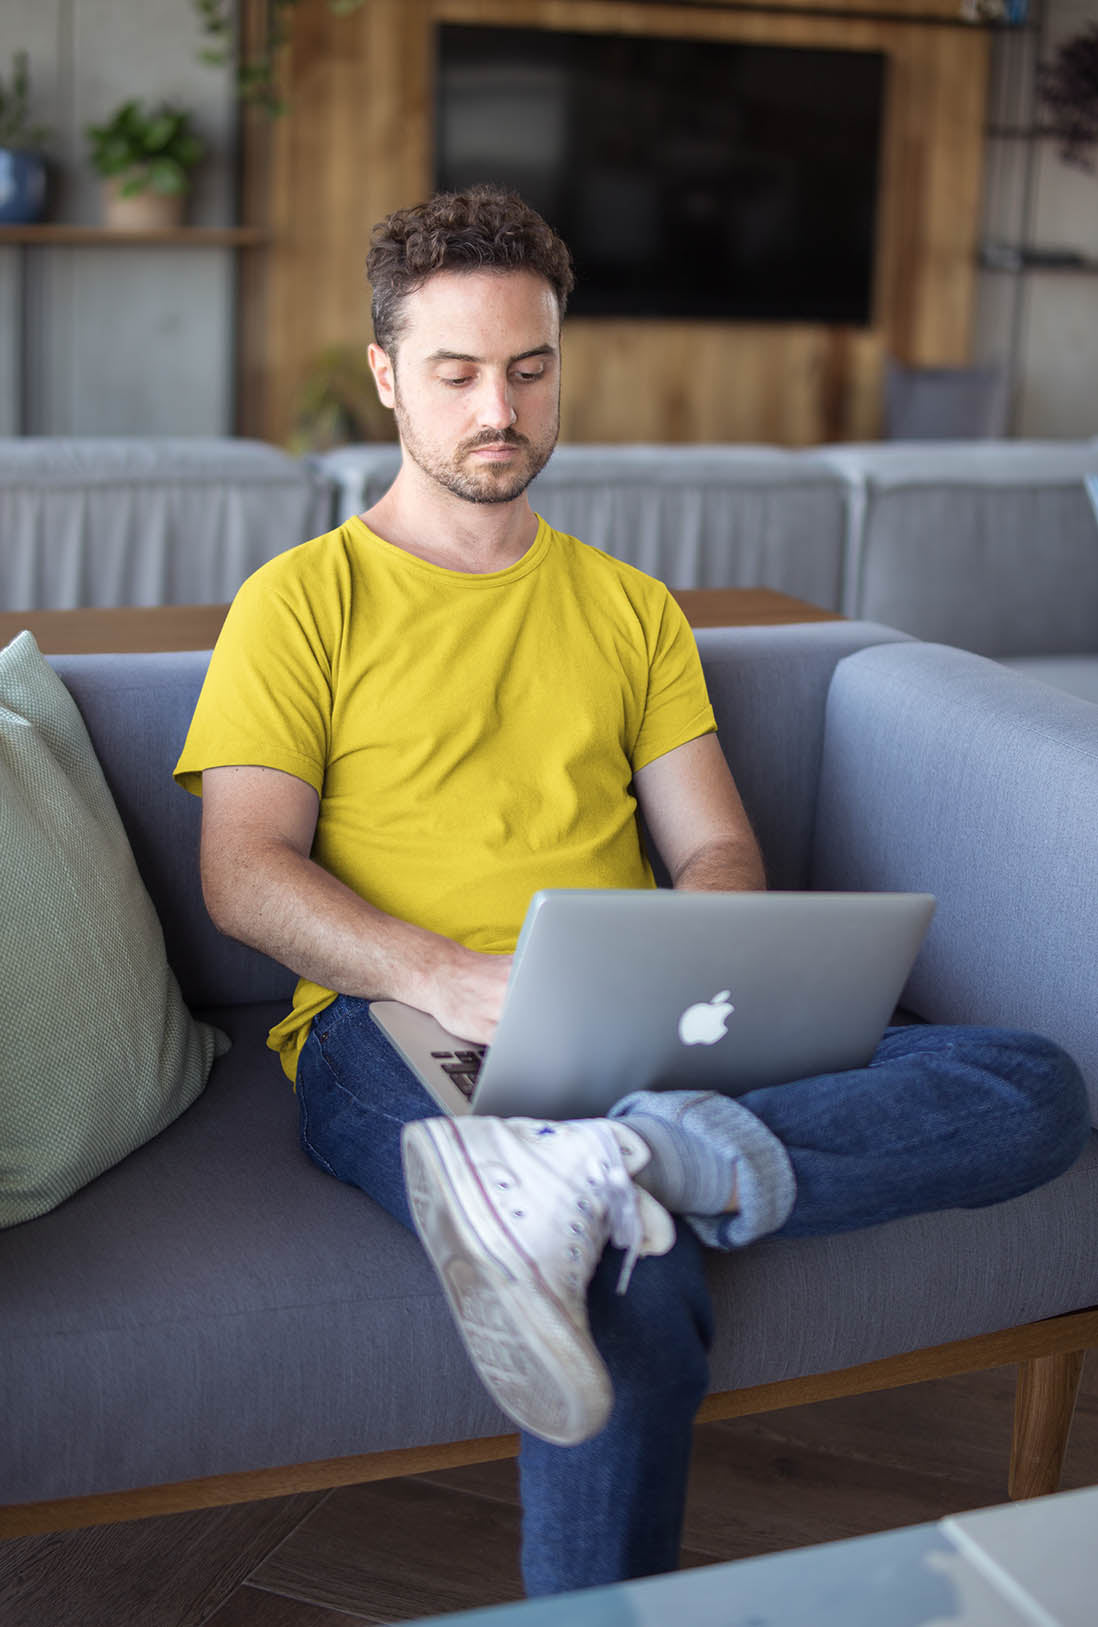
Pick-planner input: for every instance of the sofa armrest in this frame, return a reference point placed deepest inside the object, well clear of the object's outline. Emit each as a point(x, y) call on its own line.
point(942, 772)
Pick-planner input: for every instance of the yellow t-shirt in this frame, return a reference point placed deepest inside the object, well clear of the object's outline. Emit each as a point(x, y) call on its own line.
point(472, 738)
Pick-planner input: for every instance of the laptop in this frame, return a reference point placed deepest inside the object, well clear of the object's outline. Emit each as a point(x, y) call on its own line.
point(619, 990)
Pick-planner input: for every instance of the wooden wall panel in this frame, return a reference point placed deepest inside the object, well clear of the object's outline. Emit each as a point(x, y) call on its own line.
point(357, 143)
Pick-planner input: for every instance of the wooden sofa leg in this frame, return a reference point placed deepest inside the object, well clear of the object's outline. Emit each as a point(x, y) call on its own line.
point(1044, 1401)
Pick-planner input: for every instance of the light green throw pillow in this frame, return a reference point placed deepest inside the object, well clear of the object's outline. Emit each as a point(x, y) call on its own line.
point(97, 1050)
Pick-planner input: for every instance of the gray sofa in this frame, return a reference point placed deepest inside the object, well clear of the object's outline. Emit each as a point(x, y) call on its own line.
point(989, 545)
point(165, 520)
point(215, 1319)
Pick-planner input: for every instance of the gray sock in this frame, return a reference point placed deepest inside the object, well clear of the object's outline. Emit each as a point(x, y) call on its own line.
point(702, 1144)
point(688, 1173)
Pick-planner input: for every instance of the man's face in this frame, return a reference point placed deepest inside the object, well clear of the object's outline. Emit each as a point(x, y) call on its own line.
point(475, 384)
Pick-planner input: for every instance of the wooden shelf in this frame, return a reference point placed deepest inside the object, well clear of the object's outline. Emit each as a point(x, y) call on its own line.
point(98, 236)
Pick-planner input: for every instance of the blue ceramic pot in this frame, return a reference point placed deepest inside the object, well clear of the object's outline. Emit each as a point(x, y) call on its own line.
point(22, 187)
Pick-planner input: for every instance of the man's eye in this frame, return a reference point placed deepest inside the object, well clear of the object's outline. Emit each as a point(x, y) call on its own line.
point(455, 382)
point(531, 378)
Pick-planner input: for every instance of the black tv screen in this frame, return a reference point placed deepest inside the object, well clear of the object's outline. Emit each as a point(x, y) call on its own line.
point(689, 178)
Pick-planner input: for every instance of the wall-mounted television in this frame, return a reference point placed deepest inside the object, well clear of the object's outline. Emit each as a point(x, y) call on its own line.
point(689, 177)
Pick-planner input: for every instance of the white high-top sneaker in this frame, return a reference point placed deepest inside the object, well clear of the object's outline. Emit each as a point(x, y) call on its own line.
point(514, 1214)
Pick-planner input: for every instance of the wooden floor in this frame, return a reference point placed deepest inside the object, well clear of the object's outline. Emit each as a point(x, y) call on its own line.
point(405, 1548)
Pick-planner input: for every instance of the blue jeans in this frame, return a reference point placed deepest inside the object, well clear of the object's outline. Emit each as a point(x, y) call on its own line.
point(942, 1118)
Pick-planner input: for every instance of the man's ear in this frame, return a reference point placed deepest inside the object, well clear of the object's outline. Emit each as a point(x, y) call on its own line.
point(381, 366)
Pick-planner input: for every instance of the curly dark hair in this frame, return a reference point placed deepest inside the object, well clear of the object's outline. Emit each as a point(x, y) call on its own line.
point(483, 228)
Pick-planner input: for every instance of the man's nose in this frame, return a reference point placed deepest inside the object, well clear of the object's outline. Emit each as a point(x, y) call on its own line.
point(497, 408)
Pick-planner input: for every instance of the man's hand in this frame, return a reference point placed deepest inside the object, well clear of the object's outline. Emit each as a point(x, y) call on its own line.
point(466, 993)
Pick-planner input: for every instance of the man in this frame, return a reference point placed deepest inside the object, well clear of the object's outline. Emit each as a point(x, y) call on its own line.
point(409, 726)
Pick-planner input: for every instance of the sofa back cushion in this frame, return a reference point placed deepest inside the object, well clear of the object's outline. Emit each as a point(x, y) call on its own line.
point(992, 546)
point(945, 773)
point(147, 521)
point(137, 709)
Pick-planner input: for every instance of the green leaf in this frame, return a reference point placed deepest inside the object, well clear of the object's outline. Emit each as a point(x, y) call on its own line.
point(132, 135)
point(15, 130)
point(136, 181)
point(158, 133)
point(167, 177)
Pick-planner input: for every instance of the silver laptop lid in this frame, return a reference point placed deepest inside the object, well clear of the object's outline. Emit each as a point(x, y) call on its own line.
point(616, 991)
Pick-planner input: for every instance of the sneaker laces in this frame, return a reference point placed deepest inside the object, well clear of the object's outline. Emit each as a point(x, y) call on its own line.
point(623, 1214)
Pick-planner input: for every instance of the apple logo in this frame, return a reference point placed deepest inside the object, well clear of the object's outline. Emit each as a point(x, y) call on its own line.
point(705, 1023)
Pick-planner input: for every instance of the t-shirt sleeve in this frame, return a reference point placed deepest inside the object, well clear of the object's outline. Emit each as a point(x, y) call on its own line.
point(266, 699)
point(677, 708)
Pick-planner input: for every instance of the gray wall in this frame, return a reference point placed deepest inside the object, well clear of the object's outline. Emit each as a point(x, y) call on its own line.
point(118, 340)
point(1042, 324)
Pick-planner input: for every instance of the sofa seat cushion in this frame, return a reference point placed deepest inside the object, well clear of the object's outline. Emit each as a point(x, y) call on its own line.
point(789, 1307)
point(99, 1052)
point(1077, 674)
point(217, 1303)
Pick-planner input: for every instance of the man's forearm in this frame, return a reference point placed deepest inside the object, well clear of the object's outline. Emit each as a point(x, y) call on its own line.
point(272, 898)
point(262, 887)
point(286, 905)
point(723, 867)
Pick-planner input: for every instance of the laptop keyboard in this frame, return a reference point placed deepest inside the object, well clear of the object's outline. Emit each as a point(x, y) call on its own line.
point(462, 1067)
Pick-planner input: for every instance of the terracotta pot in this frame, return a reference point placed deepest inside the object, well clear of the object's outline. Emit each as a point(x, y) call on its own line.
point(146, 211)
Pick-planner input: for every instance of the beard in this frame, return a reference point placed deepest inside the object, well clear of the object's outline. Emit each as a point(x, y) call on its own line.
point(487, 484)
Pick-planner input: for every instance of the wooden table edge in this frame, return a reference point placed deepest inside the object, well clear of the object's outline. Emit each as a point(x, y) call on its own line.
point(134, 629)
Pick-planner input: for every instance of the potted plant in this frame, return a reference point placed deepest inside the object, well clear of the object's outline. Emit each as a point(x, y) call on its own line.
point(22, 164)
point(145, 158)
point(338, 403)
point(1069, 89)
